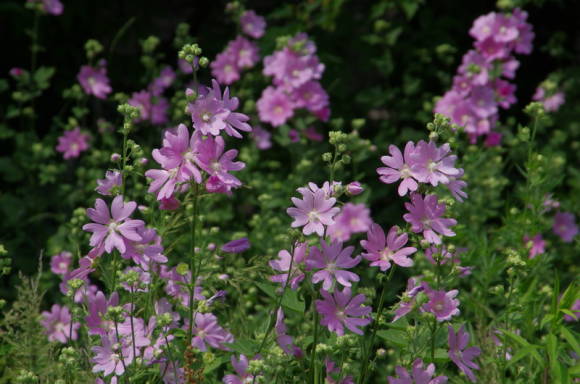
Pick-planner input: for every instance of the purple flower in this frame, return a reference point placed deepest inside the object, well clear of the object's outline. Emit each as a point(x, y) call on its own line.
point(333, 371)
point(60, 263)
point(57, 324)
point(381, 251)
point(284, 341)
point(97, 309)
point(94, 80)
point(282, 264)
point(409, 298)
point(237, 246)
point(112, 179)
point(225, 68)
point(313, 212)
point(442, 304)
point(262, 138)
point(52, 7)
point(112, 230)
point(153, 108)
point(461, 356)
point(241, 367)
point(311, 96)
point(418, 375)
point(399, 168)
point(245, 51)
point(432, 164)
point(353, 218)
point(72, 143)
point(425, 216)
point(575, 310)
point(535, 244)
point(207, 331)
point(274, 107)
point(565, 226)
point(163, 81)
point(217, 164)
point(354, 188)
point(331, 261)
point(252, 24)
point(234, 121)
point(111, 356)
point(341, 310)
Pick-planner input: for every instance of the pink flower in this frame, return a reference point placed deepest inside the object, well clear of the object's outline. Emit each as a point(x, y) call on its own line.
point(274, 107)
point(245, 51)
point(409, 298)
point(236, 246)
point(381, 252)
point(332, 371)
point(418, 375)
point(565, 226)
point(52, 7)
point(425, 216)
point(60, 263)
point(331, 261)
point(353, 218)
point(354, 188)
point(112, 179)
point(241, 367)
point(461, 356)
point(432, 164)
point(262, 138)
point(112, 356)
point(217, 164)
point(535, 244)
point(163, 81)
point(234, 121)
point(72, 143)
point(225, 67)
point(252, 24)
point(153, 108)
point(311, 96)
point(94, 80)
point(493, 139)
point(442, 304)
point(98, 306)
point(399, 168)
point(57, 324)
point(284, 340)
point(282, 264)
point(341, 310)
point(112, 232)
point(313, 212)
point(207, 331)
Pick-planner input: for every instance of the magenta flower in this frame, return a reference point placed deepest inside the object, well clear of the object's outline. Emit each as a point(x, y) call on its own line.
point(72, 143)
point(331, 261)
point(262, 138)
point(425, 216)
point(57, 324)
point(237, 246)
point(60, 263)
point(94, 80)
point(274, 107)
point(443, 305)
point(207, 331)
point(409, 298)
point(354, 188)
point(311, 96)
point(399, 167)
point(225, 67)
point(313, 212)
point(51, 7)
point(153, 108)
point(282, 264)
point(163, 81)
point(565, 226)
point(284, 340)
point(551, 103)
point(353, 218)
point(535, 244)
point(252, 24)
point(461, 356)
point(234, 121)
point(217, 164)
point(418, 375)
point(341, 310)
point(381, 251)
point(208, 116)
point(112, 230)
point(97, 309)
point(433, 164)
point(332, 371)
point(111, 356)
point(112, 179)
point(245, 51)
point(241, 367)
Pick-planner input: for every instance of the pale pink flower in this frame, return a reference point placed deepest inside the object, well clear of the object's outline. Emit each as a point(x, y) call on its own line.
point(313, 212)
point(341, 310)
point(381, 251)
point(332, 262)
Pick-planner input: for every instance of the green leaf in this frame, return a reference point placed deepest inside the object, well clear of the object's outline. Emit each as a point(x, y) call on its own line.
point(571, 339)
point(394, 337)
point(215, 364)
point(245, 347)
point(290, 299)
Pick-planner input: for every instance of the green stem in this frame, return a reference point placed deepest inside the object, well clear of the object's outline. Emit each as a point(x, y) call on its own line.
point(192, 267)
point(314, 345)
point(124, 161)
point(367, 353)
point(132, 324)
point(121, 350)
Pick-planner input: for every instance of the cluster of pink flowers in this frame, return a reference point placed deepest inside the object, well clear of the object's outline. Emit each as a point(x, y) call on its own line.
point(240, 53)
point(72, 143)
point(296, 71)
point(478, 88)
point(551, 100)
point(426, 163)
point(94, 80)
point(152, 104)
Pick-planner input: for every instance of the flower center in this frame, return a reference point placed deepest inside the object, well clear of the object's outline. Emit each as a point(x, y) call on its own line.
point(113, 227)
point(386, 254)
point(278, 110)
point(313, 216)
point(206, 116)
point(228, 68)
